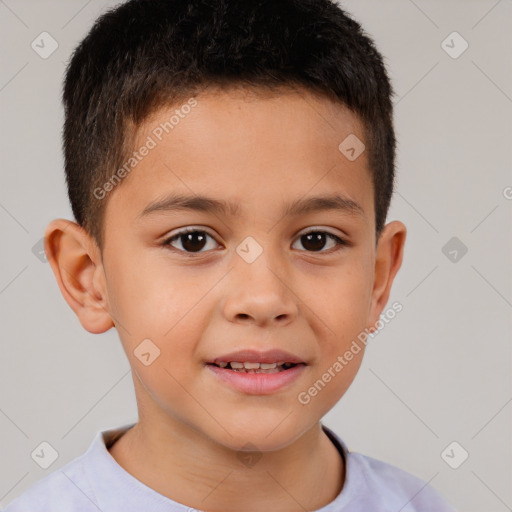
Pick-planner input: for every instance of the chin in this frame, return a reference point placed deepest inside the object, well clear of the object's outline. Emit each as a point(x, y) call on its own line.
point(259, 434)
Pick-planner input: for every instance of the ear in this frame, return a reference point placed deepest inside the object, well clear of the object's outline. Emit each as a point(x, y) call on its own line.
point(388, 260)
point(76, 262)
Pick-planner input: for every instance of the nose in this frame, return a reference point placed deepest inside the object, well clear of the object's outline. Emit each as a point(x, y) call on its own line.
point(260, 292)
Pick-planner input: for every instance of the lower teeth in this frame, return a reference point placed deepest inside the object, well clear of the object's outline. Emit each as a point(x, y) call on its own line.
point(270, 370)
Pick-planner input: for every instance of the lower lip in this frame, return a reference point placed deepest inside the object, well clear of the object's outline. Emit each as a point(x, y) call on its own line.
point(257, 383)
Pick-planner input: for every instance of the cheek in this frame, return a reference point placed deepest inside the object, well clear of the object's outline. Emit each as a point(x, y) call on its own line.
point(143, 291)
point(165, 310)
point(342, 302)
point(343, 308)
point(329, 382)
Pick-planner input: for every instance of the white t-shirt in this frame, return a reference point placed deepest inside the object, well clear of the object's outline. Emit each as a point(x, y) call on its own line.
point(95, 482)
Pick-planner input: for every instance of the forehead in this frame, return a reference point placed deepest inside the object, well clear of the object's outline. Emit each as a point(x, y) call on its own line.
point(248, 149)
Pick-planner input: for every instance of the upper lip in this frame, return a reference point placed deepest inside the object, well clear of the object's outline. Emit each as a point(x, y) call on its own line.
point(255, 356)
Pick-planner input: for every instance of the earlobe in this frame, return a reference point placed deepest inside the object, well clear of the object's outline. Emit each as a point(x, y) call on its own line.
point(75, 261)
point(388, 261)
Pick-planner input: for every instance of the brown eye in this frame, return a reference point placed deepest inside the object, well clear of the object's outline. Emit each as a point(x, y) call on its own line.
point(192, 241)
point(315, 241)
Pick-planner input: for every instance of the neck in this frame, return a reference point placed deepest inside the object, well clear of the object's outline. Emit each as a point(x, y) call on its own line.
point(187, 467)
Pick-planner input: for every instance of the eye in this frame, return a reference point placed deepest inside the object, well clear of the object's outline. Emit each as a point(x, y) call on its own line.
point(315, 241)
point(192, 240)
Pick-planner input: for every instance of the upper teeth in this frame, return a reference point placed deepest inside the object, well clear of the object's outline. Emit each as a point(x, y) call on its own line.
point(251, 366)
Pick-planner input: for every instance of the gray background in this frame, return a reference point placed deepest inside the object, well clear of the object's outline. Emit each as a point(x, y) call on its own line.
point(439, 372)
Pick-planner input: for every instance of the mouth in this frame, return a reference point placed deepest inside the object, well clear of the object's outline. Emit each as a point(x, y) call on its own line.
point(254, 378)
point(249, 367)
point(257, 372)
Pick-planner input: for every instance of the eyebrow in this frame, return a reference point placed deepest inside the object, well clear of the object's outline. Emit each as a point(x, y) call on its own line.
point(177, 202)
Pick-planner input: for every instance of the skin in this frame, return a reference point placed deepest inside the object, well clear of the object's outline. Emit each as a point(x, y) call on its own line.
point(262, 151)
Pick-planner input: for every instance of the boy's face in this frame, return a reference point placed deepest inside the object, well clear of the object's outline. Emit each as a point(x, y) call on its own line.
point(248, 280)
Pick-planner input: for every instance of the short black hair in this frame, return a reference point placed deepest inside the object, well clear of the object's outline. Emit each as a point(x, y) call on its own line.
point(146, 54)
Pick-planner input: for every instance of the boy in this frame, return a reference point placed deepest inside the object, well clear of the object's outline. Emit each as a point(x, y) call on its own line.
point(262, 131)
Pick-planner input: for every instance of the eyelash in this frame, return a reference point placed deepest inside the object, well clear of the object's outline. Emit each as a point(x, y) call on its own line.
point(340, 242)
